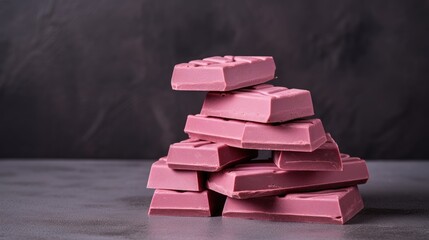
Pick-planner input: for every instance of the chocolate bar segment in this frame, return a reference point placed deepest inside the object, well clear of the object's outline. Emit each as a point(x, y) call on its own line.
point(262, 103)
point(300, 135)
point(223, 73)
point(163, 177)
point(201, 155)
point(186, 204)
point(264, 178)
point(325, 158)
point(335, 206)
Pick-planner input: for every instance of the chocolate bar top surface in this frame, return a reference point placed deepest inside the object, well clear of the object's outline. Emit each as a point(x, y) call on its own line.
point(81, 199)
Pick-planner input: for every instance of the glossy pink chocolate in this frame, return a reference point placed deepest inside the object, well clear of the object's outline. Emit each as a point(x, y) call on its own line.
point(201, 155)
point(222, 73)
point(186, 204)
point(325, 158)
point(262, 103)
point(264, 178)
point(300, 135)
point(330, 206)
point(163, 177)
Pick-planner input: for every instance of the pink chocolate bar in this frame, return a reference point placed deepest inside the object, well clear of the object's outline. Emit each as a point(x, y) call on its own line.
point(264, 178)
point(222, 73)
point(201, 155)
point(186, 204)
point(325, 158)
point(163, 177)
point(330, 206)
point(301, 135)
point(262, 103)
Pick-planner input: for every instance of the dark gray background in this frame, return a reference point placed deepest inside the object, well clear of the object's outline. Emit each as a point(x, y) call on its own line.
point(92, 78)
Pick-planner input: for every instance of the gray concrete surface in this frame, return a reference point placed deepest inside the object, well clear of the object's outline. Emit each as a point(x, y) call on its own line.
point(108, 200)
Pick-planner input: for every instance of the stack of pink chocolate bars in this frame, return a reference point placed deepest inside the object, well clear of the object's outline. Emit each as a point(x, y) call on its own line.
point(213, 172)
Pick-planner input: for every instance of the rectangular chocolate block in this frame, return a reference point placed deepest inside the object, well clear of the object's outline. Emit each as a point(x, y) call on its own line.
point(264, 178)
point(163, 177)
point(262, 103)
point(186, 204)
point(222, 73)
point(330, 206)
point(300, 135)
point(325, 158)
point(201, 155)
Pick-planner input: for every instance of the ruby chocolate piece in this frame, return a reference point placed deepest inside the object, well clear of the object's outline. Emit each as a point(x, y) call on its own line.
point(300, 135)
point(186, 204)
point(222, 73)
point(163, 177)
point(201, 155)
point(330, 206)
point(264, 178)
point(262, 103)
point(325, 158)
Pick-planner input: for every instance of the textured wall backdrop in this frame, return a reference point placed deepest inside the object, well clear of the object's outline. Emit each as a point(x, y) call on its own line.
point(92, 78)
